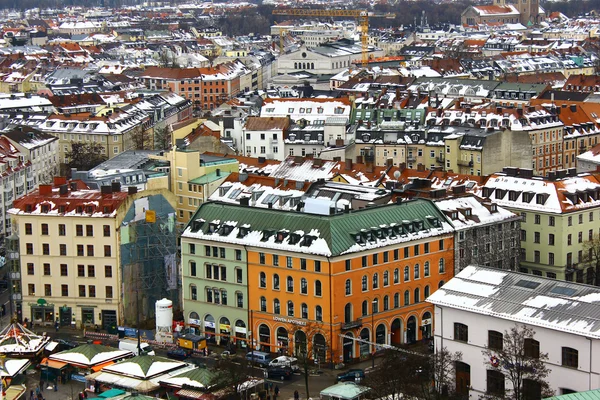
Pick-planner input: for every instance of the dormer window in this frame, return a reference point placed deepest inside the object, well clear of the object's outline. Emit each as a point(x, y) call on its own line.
point(454, 215)
point(244, 230)
point(226, 229)
point(45, 208)
point(79, 210)
point(294, 238)
point(379, 233)
point(212, 227)
point(62, 209)
point(358, 238)
point(197, 224)
point(307, 240)
point(434, 221)
point(467, 212)
point(89, 209)
point(540, 198)
point(493, 208)
point(281, 235)
point(28, 208)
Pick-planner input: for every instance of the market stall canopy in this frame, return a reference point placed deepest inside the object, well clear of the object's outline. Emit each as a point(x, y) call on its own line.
point(90, 355)
point(345, 391)
point(19, 342)
point(14, 366)
point(111, 393)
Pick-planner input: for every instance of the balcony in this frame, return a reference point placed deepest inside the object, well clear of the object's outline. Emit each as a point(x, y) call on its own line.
point(464, 163)
point(411, 157)
point(352, 324)
point(439, 159)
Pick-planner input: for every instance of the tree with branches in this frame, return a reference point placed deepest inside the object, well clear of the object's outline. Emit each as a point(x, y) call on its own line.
point(591, 260)
point(85, 156)
point(230, 374)
point(306, 350)
point(515, 356)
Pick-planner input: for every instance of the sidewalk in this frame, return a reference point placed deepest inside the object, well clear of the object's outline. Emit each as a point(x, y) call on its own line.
point(68, 391)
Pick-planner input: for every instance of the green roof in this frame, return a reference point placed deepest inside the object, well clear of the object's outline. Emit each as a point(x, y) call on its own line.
point(89, 350)
point(210, 177)
point(337, 230)
point(203, 376)
point(589, 395)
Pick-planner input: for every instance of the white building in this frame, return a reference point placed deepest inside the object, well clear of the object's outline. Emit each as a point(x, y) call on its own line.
point(589, 161)
point(480, 303)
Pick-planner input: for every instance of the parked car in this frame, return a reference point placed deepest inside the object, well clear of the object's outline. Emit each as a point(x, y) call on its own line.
point(258, 357)
point(285, 361)
point(179, 354)
point(351, 375)
point(279, 372)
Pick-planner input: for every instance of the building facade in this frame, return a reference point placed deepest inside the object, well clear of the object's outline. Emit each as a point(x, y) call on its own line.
point(476, 308)
point(330, 280)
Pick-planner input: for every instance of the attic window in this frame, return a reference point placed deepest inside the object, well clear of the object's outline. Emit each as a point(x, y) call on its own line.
point(358, 238)
point(281, 235)
point(407, 226)
point(107, 209)
point(379, 234)
point(467, 212)
point(266, 234)
point(540, 198)
point(454, 215)
point(527, 196)
point(527, 284)
point(419, 225)
point(89, 209)
point(45, 208)
point(28, 207)
point(307, 240)
point(244, 230)
point(493, 208)
point(212, 227)
point(294, 238)
point(435, 222)
point(226, 229)
point(389, 232)
point(197, 224)
point(79, 209)
point(487, 191)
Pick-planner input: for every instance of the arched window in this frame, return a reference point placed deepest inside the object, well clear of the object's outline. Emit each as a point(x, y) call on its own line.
point(295, 65)
point(442, 266)
point(348, 313)
point(348, 287)
point(417, 296)
point(396, 276)
point(386, 278)
point(262, 282)
point(304, 311)
point(426, 292)
point(426, 269)
point(396, 300)
point(417, 271)
point(276, 307)
point(193, 292)
point(275, 282)
point(386, 303)
point(375, 280)
point(312, 65)
point(290, 308)
point(365, 309)
point(318, 291)
point(263, 303)
point(441, 284)
point(406, 277)
point(319, 313)
point(303, 286)
point(365, 283)
point(375, 306)
point(290, 284)
point(406, 297)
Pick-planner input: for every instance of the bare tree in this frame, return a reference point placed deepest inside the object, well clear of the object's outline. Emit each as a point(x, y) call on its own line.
point(385, 381)
point(230, 375)
point(161, 138)
point(591, 260)
point(306, 350)
point(515, 356)
point(85, 156)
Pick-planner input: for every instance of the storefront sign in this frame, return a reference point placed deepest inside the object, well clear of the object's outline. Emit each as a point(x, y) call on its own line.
point(209, 324)
point(193, 321)
point(224, 327)
point(239, 329)
point(426, 321)
point(290, 321)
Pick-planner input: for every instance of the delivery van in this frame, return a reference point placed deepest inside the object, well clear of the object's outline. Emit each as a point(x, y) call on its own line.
point(132, 346)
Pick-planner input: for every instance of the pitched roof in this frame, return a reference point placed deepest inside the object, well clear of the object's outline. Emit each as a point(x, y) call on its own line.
point(90, 354)
point(523, 298)
point(329, 235)
point(267, 123)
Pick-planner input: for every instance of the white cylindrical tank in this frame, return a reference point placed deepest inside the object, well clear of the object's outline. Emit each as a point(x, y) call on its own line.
point(164, 315)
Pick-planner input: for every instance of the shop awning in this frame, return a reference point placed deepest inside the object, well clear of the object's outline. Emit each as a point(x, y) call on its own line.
point(193, 394)
point(99, 367)
point(111, 393)
point(46, 362)
point(51, 346)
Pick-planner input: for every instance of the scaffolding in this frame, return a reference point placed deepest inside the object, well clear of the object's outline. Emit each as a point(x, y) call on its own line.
point(150, 260)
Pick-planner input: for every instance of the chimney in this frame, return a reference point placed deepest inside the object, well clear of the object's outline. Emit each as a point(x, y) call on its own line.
point(245, 201)
point(116, 186)
point(60, 180)
point(45, 190)
point(131, 190)
point(106, 189)
point(218, 171)
point(73, 186)
point(420, 167)
point(243, 176)
point(63, 189)
point(402, 166)
point(573, 107)
point(359, 159)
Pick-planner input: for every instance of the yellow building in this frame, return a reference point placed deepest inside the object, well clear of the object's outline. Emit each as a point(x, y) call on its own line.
point(194, 177)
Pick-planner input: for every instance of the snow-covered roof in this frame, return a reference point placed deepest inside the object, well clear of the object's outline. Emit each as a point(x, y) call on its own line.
point(522, 298)
point(469, 211)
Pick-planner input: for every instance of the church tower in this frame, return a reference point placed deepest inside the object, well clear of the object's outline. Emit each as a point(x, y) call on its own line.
point(530, 10)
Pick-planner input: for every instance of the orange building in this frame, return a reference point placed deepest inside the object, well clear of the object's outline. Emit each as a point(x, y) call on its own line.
point(338, 282)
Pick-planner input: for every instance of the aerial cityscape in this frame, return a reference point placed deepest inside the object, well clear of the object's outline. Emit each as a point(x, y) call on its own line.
point(340, 200)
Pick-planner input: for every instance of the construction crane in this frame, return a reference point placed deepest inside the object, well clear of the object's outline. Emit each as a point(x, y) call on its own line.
point(361, 15)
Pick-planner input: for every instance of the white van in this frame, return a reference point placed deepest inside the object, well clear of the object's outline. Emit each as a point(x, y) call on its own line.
point(132, 346)
point(285, 361)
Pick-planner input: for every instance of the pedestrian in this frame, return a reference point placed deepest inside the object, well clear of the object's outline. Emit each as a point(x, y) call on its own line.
point(31, 395)
point(56, 325)
point(271, 387)
point(296, 395)
point(37, 391)
point(56, 385)
point(276, 391)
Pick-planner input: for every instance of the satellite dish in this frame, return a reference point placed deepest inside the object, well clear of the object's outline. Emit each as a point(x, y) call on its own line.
point(397, 175)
